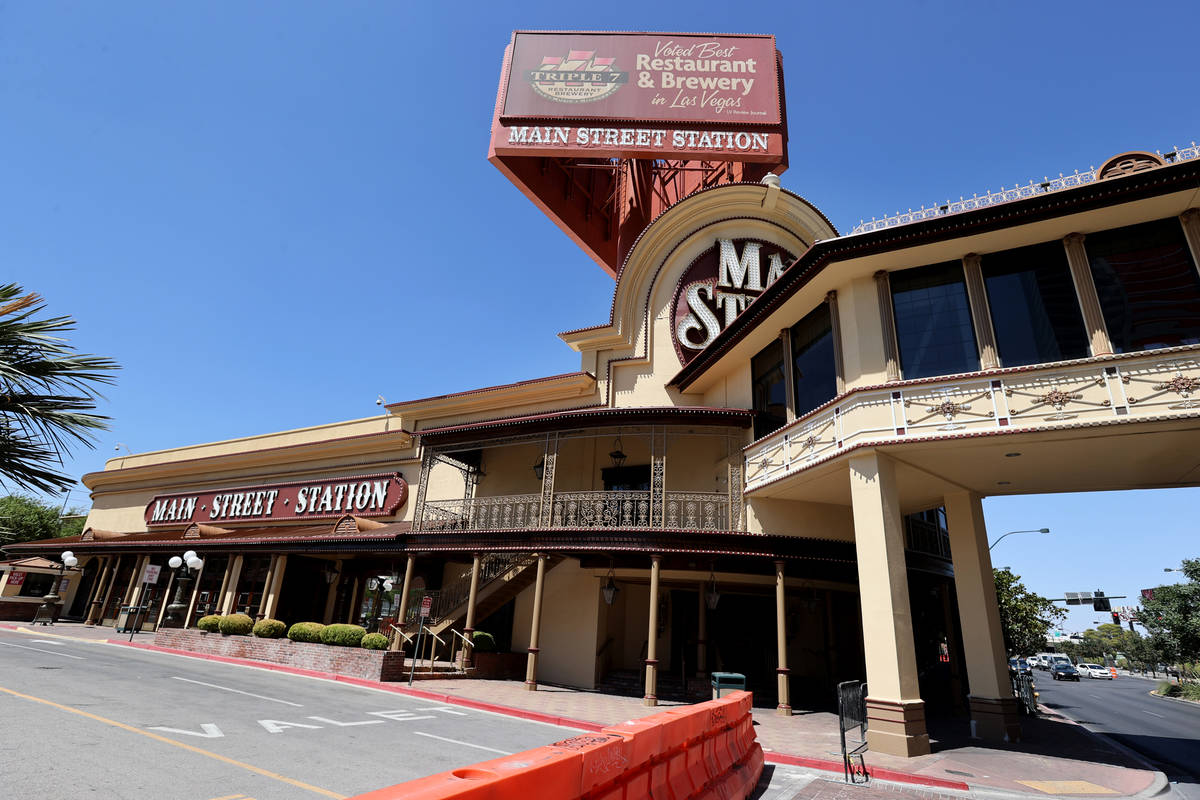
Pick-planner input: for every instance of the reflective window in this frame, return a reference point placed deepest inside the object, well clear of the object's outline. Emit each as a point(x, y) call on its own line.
point(770, 389)
point(814, 367)
point(1035, 313)
point(933, 321)
point(1148, 285)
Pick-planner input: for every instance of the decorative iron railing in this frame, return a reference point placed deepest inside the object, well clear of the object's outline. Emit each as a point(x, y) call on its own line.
point(454, 593)
point(573, 510)
point(1005, 195)
point(1128, 388)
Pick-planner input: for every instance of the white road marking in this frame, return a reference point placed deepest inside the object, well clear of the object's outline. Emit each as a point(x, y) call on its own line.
point(337, 724)
point(1093, 694)
point(1151, 713)
point(464, 744)
point(279, 726)
point(48, 641)
point(209, 731)
point(238, 691)
point(40, 650)
point(400, 715)
point(445, 709)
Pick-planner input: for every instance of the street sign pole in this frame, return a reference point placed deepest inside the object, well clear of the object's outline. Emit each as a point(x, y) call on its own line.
point(426, 604)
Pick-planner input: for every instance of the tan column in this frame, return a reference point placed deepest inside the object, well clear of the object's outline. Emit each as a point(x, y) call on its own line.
point(887, 322)
point(398, 641)
point(781, 672)
point(651, 698)
point(702, 632)
point(1085, 292)
point(894, 706)
point(331, 595)
point(220, 598)
point(789, 374)
point(1191, 231)
point(266, 592)
point(231, 585)
point(981, 316)
point(535, 628)
point(836, 324)
point(131, 590)
point(166, 598)
point(98, 592)
point(993, 709)
point(354, 601)
point(112, 582)
point(276, 586)
point(191, 603)
point(469, 625)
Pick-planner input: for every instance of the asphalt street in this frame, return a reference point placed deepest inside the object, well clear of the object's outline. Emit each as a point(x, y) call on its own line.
point(1165, 732)
point(83, 719)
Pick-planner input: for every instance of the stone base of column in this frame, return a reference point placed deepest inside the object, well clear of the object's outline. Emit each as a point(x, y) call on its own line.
point(783, 711)
point(996, 720)
point(897, 728)
point(531, 686)
point(649, 700)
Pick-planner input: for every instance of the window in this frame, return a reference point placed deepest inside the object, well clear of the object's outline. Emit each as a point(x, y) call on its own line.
point(626, 479)
point(1035, 313)
point(933, 321)
point(37, 584)
point(814, 367)
point(1148, 286)
point(769, 389)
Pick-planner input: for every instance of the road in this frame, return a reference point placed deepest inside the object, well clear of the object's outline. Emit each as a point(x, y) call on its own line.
point(83, 719)
point(1166, 732)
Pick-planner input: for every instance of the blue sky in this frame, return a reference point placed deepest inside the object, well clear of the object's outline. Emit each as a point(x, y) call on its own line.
point(254, 207)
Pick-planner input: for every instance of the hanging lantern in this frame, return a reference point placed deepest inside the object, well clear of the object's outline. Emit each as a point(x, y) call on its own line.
point(617, 455)
point(609, 589)
point(712, 596)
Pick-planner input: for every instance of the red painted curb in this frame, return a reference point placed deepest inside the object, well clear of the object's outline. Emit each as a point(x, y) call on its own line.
point(536, 716)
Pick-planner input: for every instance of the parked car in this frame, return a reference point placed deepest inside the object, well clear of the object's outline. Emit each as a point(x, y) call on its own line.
point(1020, 666)
point(1095, 671)
point(1064, 672)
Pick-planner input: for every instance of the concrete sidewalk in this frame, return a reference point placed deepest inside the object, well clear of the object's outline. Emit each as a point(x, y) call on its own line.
point(1057, 757)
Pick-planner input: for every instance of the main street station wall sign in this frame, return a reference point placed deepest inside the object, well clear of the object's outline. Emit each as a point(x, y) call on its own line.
point(361, 495)
point(718, 285)
point(640, 95)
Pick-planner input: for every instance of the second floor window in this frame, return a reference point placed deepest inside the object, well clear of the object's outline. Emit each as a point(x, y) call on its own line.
point(814, 367)
point(1035, 312)
point(769, 389)
point(933, 321)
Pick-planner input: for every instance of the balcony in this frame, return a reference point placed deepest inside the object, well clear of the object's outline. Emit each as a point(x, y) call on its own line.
point(606, 510)
point(1154, 386)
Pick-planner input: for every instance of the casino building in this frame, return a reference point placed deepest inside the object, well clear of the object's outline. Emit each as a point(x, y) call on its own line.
point(772, 457)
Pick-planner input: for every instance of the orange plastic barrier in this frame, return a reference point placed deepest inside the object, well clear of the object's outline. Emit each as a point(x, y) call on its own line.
point(707, 751)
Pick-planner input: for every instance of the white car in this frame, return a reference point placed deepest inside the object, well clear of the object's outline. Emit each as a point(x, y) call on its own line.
point(1094, 671)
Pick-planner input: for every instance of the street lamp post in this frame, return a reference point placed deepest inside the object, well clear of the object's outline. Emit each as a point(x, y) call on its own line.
point(47, 613)
point(183, 580)
point(1010, 533)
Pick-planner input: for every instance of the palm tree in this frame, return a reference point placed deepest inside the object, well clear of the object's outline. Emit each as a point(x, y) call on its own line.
point(47, 392)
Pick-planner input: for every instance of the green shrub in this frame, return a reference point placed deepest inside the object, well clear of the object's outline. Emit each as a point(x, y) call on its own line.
point(1167, 689)
point(1190, 691)
point(484, 642)
point(306, 632)
point(267, 628)
point(236, 625)
point(375, 641)
point(211, 623)
point(343, 635)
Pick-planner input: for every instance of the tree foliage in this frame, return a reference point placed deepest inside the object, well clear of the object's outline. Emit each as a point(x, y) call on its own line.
point(27, 519)
point(47, 393)
point(1172, 615)
point(1025, 617)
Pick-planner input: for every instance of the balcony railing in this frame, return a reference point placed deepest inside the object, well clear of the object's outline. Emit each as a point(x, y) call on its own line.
point(1129, 388)
point(612, 510)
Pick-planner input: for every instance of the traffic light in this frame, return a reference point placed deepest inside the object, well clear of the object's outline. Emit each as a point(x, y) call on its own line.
point(1116, 618)
point(1100, 602)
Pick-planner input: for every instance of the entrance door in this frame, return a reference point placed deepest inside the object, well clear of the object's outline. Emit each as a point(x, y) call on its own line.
point(685, 630)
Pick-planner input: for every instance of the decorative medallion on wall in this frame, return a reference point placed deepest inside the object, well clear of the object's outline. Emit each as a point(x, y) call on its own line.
point(718, 285)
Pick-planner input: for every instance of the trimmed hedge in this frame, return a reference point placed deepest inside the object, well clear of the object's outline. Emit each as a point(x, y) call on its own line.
point(236, 625)
point(268, 628)
point(484, 642)
point(306, 632)
point(211, 623)
point(343, 635)
point(375, 641)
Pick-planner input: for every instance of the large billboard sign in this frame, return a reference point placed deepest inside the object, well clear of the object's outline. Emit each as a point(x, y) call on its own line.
point(362, 495)
point(640, 95)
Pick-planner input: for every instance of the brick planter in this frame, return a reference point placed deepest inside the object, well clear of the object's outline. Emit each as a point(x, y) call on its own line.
point(499, 666)
point(373, 665)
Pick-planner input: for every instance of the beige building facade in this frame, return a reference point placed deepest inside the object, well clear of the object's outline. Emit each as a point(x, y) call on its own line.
point(771, 460)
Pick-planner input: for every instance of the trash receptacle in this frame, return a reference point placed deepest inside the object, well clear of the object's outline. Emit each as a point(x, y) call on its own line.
point(123, 620)
point(724, 682)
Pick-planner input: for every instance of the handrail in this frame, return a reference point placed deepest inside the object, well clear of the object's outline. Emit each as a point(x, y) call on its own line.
point(466, 642)
point(407, 638)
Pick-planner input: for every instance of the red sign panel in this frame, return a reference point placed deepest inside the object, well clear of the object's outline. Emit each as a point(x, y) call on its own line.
point(16, 577)
point(361, 495)
point(664, 77)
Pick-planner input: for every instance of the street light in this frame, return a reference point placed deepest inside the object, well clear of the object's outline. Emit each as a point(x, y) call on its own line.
point(1010, 533)
point(47, 612)
point(183, 580)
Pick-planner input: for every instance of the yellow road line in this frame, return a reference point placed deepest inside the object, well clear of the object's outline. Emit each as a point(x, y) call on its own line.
point(230, 797)
point(232, 761)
